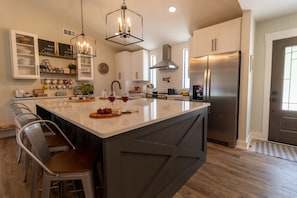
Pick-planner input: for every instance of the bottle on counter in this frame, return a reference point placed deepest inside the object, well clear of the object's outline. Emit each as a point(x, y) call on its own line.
point(104, 93)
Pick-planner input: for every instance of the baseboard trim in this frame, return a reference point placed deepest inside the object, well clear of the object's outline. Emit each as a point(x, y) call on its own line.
point(243, 145)
point(258, 136)
point(7, 131)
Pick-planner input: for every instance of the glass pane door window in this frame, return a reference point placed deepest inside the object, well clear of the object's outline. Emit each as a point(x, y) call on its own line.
point(289, 101)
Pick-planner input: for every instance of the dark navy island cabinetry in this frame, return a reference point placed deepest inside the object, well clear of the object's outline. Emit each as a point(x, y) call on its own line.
point(153, 159)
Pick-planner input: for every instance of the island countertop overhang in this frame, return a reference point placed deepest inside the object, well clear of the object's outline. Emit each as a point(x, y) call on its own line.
point(144, 112)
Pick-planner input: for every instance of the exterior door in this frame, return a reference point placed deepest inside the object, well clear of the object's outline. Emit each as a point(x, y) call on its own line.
point(283, 96)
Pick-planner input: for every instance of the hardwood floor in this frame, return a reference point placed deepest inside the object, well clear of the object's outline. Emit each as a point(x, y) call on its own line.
point(227, 173)
point(236, 173)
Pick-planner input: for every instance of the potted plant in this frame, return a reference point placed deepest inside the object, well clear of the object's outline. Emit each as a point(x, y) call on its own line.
point(86, 88)
point(72, 68)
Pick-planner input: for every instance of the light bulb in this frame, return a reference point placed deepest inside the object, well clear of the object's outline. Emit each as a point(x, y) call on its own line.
point(172, 9)
point(129, 24)
point(120, 24)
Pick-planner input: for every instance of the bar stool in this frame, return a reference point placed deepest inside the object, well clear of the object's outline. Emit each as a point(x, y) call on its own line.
point(18, 108)
point(56, 141)
point(76, 164)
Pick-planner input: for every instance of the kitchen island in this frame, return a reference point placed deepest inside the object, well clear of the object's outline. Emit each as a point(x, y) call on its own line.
point(150, 152)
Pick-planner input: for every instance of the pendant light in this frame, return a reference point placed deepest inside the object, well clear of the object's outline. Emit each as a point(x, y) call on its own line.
point(80, 43)
point(124, 26)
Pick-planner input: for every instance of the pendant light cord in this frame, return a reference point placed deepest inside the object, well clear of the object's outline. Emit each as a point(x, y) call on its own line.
point(82, 18)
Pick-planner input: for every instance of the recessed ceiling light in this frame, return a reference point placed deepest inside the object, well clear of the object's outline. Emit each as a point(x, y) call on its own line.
point(172, 9)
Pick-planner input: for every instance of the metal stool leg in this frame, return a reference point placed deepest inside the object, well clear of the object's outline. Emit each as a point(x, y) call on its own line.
point(88, 183)
point(35, 168)
point(20, 150)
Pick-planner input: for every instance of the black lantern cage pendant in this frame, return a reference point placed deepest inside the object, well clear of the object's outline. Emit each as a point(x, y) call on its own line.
point(79, 43)
point(124, 26)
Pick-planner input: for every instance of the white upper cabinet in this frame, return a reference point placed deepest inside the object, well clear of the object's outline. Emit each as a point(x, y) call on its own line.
point(24, 54)
point(220, 38)
point(123, 65)
point(140, 65)
point(85, 67)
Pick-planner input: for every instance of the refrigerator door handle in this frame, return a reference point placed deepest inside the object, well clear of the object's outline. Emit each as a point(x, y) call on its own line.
point(208, 84)
point(205, 86)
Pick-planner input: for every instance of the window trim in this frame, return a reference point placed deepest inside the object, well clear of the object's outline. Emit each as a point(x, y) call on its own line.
point(153, 73)
point(185, 75)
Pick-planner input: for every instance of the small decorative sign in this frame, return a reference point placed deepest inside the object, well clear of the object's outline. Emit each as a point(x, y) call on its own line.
point(65, 50)
point(46, 47)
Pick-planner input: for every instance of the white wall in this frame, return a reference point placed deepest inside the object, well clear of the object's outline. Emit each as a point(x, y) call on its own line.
point(258, 100)
point(31, 16)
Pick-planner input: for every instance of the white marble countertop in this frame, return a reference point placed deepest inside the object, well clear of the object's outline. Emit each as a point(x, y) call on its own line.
point(144, 112)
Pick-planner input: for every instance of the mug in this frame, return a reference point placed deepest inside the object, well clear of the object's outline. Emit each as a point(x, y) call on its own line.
point(45, 86)
point(47, 81)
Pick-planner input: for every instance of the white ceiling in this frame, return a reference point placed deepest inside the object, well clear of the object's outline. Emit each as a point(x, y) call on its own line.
point(162, 27)
point(267, 9)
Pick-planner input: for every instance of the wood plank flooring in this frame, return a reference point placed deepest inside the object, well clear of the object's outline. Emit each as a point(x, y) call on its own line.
point(236, 173)
point(227, 173)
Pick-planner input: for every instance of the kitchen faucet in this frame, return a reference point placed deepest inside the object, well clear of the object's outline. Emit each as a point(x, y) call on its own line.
point(115, 81)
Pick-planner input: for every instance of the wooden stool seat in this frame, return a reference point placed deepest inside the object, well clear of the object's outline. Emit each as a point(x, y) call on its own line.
point(73, 161)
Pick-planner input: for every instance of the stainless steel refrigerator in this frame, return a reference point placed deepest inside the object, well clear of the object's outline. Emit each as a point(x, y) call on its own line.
point(215, 79)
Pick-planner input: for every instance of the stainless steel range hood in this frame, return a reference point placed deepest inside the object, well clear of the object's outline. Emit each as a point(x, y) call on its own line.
point(166, 63)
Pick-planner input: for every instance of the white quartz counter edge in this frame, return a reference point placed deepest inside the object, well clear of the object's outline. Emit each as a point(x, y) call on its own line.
point(122, 129)
point(37, 98)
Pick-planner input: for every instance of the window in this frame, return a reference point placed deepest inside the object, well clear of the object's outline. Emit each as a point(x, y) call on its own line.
point(153, 75)
point(290, 79)
point(186, 79)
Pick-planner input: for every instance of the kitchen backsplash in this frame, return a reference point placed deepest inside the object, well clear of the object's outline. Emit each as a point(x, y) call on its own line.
point(175, 80)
